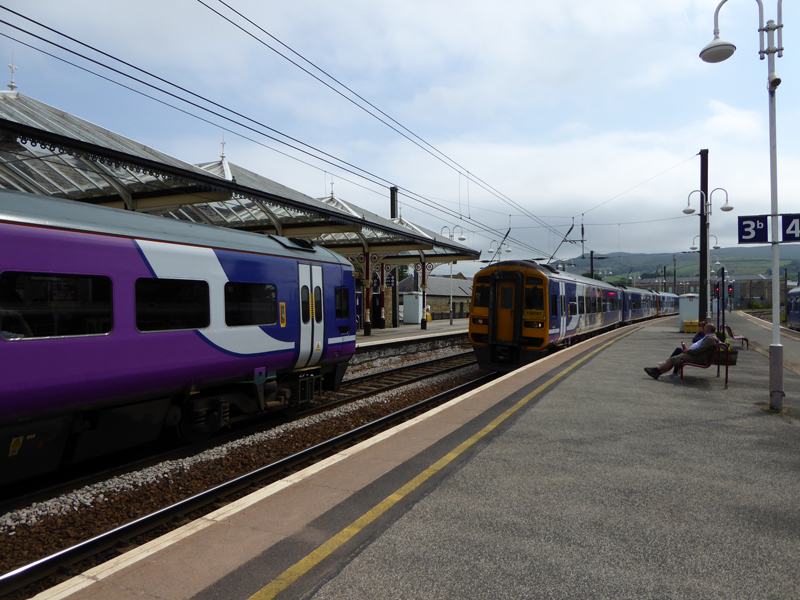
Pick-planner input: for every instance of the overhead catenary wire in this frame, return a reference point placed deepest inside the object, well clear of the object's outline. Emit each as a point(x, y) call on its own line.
point(363, 174)
point(439, 154)
point(350, 166)
point(311, 150)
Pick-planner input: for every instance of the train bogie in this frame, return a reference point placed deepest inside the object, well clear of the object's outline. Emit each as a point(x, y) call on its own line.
point(114, 325)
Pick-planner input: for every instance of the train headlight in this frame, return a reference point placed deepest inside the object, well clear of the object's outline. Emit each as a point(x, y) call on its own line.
point(533, 324)
point(480, 321)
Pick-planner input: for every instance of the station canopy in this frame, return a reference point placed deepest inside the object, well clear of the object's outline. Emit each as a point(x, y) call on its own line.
point(46, 151)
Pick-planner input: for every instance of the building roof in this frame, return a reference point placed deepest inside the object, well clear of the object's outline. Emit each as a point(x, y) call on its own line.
point(46, 151)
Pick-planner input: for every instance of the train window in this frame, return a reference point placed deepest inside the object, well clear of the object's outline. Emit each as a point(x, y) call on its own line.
point(484, 279)
point(581, 307)
point(37, 305)
point(171, 304)
point(534, 298)
point(342, 300)
point(318, 304)
point(553, 305)
point(305, 305)
point(507, 297)
point(482, 296)
point(534, 281)
point(250, 304)
point(573, 308)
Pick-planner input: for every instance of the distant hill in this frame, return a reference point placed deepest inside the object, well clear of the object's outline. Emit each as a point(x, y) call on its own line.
point(756, 260)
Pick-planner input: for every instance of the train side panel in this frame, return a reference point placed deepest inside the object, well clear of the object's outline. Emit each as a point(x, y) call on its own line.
point(793, 309)
point(105, 339)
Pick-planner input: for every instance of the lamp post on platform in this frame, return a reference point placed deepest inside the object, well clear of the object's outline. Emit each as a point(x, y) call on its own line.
point(717, 51)
point(705, 242)
point(461, 238)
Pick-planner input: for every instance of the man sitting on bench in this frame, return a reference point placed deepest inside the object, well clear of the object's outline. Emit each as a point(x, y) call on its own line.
point(698, 353)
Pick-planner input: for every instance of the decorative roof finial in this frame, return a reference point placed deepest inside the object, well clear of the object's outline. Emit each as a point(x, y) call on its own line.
point(12, 86)
point(222, 156)
point(331, 189)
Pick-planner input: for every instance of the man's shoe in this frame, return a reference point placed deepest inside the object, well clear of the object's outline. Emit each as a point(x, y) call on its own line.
point(673, 376)
point(652, 371)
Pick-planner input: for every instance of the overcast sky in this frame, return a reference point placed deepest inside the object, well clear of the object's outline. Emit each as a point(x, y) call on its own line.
point(592, 110)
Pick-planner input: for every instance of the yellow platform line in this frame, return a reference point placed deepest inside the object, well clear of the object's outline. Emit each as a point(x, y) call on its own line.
point(296, 571)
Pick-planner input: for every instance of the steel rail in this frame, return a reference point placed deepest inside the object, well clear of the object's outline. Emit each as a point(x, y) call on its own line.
point(38, 570)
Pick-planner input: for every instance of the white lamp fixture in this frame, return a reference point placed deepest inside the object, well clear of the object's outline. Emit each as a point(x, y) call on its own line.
point(718, 50)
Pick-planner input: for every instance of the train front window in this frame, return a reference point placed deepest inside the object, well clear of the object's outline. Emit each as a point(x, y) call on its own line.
point(37, 305)
point(482, 296)
point(250, 304)
point(507, 297)
point(534, 298)
point(171, 304)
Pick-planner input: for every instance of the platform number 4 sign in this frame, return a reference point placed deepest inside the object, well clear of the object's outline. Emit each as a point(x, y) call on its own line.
point(791, 228)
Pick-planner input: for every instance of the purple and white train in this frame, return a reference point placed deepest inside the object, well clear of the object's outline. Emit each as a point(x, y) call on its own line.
point(116, 325)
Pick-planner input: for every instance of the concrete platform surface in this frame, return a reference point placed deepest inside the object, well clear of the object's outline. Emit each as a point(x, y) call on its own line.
point(578, 476)
point(409, 331)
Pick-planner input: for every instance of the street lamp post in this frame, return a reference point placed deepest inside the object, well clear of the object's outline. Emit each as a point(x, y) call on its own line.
point(461, 238)
point(717, 51)
point(705, 243)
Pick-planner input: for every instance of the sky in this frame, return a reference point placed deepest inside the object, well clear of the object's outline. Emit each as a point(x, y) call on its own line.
point(523, 115)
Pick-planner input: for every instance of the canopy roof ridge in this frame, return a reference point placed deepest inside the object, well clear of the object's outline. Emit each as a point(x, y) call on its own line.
point(409, 225)
point(340, 204)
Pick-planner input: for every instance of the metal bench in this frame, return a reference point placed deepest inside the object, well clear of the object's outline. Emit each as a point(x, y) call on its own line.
point(718, 351)
point(741, 338)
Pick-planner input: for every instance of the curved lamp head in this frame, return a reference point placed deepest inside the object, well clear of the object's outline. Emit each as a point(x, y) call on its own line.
point(717, 51)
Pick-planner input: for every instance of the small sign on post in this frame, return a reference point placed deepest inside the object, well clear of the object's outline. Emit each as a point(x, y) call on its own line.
point(753, 230)
point(790, 224)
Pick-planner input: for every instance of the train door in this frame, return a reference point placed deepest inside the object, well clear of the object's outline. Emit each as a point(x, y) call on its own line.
point(505, 308)
point(557, 312)
point(506, 292)
point(312, 315)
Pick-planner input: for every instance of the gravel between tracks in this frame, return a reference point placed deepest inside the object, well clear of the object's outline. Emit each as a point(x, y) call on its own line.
point(45, 528)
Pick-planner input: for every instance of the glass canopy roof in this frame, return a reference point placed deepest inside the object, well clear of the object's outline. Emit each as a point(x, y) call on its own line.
point(46, 151)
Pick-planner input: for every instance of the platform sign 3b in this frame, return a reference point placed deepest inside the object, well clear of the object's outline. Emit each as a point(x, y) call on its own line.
point(753, 230)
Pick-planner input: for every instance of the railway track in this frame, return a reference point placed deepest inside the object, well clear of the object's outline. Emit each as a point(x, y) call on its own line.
point(352, 390)
point(39, 574)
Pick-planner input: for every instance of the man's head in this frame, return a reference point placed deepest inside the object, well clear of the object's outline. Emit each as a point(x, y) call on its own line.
point(709, 328)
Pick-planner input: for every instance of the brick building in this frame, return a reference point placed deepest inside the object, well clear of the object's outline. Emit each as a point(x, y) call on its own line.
point(438, 294)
